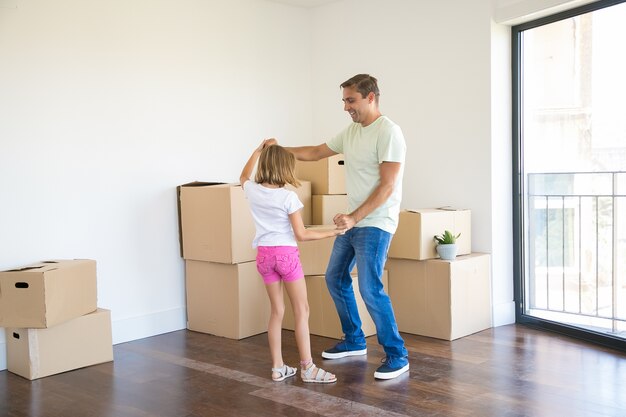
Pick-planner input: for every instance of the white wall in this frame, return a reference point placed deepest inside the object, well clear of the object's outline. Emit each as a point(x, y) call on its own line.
point(106, 106)
point(444, 71)
point(501, 183)
point(434, 63)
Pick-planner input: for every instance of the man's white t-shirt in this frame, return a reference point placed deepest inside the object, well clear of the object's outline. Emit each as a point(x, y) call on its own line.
point(364, 149)
point(271, 208)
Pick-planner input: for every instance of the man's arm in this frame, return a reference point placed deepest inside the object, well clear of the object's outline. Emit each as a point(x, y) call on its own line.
point(311, 153)
point(388, 174)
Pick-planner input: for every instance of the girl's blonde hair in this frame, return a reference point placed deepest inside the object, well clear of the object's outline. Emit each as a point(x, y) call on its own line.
point(276, 166)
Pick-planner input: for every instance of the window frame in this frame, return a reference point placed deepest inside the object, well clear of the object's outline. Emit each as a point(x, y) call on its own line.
point(518, 192)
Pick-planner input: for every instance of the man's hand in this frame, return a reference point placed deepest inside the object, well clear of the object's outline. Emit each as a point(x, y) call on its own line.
point(344, 221)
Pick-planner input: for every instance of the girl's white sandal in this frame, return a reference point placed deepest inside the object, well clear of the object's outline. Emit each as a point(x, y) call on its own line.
point(284, 372)
point(319, 377)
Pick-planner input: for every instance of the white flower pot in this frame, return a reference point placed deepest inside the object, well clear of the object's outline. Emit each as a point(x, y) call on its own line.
point(447, 252)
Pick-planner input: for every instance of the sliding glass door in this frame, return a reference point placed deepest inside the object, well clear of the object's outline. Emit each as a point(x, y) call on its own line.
point(570, 172)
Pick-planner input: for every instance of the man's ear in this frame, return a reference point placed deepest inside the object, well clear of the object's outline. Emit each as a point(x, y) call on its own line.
point(371, 96)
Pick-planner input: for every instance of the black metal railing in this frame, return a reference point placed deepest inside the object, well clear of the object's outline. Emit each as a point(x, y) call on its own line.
point(576, 246)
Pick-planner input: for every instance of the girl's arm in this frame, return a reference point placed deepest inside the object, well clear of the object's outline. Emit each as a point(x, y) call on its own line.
point(246, 173)
point(303, 234)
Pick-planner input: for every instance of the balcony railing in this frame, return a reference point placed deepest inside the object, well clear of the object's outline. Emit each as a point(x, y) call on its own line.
point(576, 246)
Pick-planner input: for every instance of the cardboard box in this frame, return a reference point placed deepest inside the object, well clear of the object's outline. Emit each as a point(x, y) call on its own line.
point(304, 194)
point(226, 300)
point(416, 229)
point(314, 254)
point(442, 299)
point(326, 206)
point(215, 223)
point(47, 293)
point(80, 342)
point(327, 175)
point(323, 318)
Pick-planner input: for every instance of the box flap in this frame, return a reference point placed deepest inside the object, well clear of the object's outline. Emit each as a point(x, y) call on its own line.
point(450, 208)
point(430, 210)
point(38, 268)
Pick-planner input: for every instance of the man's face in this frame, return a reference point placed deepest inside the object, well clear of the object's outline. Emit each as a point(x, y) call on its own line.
point(356, 105)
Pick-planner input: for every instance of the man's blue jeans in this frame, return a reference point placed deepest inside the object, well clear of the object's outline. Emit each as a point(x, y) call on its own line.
point(367, 247)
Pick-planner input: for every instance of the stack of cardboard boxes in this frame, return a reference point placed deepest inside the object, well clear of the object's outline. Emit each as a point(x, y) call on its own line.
point(225, 294)
point(329, 197)
point(328, 187)
point(51, 318)
point(433, 297)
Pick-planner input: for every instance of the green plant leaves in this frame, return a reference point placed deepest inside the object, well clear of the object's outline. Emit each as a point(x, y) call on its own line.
point(446, 238)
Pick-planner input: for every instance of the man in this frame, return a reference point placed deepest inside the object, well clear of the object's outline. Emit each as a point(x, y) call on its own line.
point(374, 150)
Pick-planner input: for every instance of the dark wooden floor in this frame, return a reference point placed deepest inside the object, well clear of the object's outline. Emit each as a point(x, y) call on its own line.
point(506, 371)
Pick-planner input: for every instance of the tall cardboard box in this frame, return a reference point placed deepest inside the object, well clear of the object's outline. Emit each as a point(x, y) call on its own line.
point(226, 300)
point(314, 254)
point(304, 194)
point(80, 342)
point(323, 318)
point(441, 299)
point(47, 293)
point(215, 223)
point(326, 206)
point(414, 237)
point(327, 176)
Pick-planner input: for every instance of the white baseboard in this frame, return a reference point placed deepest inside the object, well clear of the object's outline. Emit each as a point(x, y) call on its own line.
point(126, 330)
point(3, 351)
point(504, 314)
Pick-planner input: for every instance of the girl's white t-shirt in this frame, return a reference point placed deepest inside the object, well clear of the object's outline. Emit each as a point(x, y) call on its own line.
point(271, 208)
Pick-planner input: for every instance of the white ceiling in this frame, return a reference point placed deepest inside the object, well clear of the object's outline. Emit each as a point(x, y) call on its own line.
point(305, 3)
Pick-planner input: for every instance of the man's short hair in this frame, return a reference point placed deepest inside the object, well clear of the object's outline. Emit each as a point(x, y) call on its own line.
point(364, 84)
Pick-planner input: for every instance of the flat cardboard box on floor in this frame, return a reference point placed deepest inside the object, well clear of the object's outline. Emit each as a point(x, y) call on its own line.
point(326, 206)
point(323, 318)
point(416, 229)
point(226, 300)
point(441, 299)
point(80, 342)
point(327, 176)
point(215, 223)
point(47, 293)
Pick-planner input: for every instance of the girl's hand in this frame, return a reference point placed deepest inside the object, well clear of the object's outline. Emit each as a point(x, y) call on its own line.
point(266, 143)
point(340, 231)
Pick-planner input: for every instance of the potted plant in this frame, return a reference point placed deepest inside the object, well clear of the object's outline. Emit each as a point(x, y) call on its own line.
point(446, 245)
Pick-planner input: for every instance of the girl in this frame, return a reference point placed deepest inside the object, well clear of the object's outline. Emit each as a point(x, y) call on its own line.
point(278, 219)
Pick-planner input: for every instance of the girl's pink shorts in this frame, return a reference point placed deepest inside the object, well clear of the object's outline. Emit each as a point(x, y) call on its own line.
point(279, 262)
